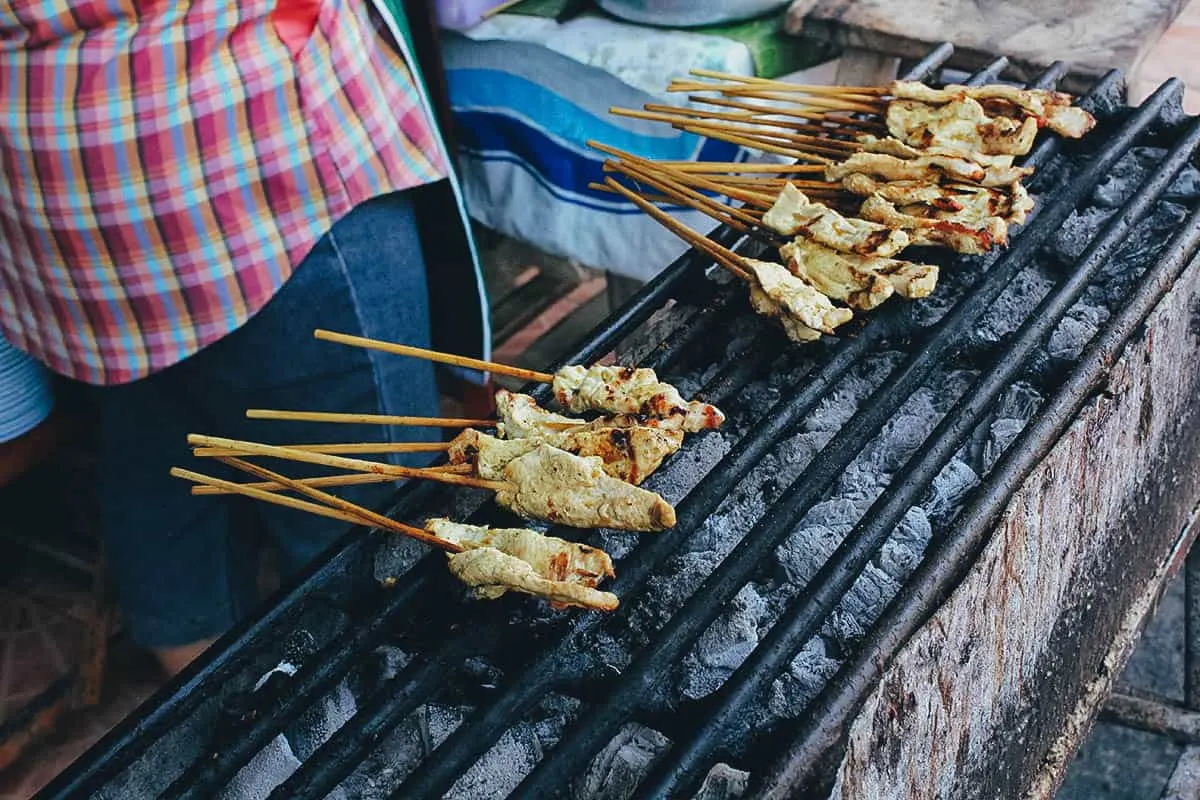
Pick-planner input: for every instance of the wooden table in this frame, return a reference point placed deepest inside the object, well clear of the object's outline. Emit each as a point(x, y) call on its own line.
point(1093, 36)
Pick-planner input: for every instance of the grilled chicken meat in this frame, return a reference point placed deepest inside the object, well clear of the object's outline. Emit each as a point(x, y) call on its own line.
point(793, 213)
point(521, 417)
point(1051, 109)
point(892, 146)
point(795, 298)
point(796, 330)
point(863, 282)
point(925, 168)
point(491, 573)
point(630, 453)
point(566, 573)
point(628, 390)
point(961, 124)
point(958, 236)
point(552, 484)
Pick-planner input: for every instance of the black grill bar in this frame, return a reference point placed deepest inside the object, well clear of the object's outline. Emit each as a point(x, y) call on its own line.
point(587, 737)
point(684, 766)
point(481, 729)
point(474, 737)
point(319, 675)
point(948, 560)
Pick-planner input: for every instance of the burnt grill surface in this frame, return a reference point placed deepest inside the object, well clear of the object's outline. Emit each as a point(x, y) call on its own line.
point(850, 489)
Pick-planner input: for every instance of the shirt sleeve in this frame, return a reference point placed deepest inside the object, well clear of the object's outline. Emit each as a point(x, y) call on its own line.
point(26, 397)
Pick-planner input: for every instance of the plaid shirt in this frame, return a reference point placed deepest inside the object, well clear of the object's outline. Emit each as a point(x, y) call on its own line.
point(167, 163)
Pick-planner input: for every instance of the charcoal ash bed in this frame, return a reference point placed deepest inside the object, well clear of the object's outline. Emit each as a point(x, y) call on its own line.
point(910, 563)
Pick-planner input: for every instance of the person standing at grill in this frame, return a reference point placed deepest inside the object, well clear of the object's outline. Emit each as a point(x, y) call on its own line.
point(190, 188)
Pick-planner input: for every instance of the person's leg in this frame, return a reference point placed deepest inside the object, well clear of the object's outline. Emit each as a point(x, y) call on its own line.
point(366, 277)
point(182, 563)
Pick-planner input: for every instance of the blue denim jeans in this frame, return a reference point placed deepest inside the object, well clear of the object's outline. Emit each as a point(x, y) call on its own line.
point(184, 565)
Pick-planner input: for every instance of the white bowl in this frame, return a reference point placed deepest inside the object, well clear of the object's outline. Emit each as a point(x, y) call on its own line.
point(687, 13)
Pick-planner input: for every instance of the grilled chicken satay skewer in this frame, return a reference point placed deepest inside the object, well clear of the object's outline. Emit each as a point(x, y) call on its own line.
point(565, 573)
point(500, 560)
point(545, 483)
point(774, 292)
point(579, 389)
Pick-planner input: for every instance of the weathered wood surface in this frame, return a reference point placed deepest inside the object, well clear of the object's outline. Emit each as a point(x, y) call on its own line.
point(991, 698)
point(1093, 36)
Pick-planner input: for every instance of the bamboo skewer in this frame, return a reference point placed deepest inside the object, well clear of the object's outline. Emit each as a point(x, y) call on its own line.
point(340, 462)
point(790, 111)
point(860, 104)
point(835, 150)
point(690, 179)
point(433, 355)
point(229, 487)
point(341, 504)
point(726, 258)
point(664, 113)
point(368, 419)
point(354, 479)
point(799, 87)
point(368, 448)
point(734, 217)
point(739, 166)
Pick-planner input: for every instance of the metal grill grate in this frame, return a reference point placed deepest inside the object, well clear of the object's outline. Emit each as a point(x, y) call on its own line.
point(192, 743)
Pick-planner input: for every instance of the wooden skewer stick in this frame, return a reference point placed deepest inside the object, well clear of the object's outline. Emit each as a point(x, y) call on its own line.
point(368, 419)
point(723, 256)
point(343, 449)
point(755, 143)
point(700, 202)
point(341, 504)
point(826, 148)
point(340, 462)
point(802, 87)
point(812, 128)
point(500, 9)
point(739, 166)
point(814, 103)
point(690, 180)
point(791, 110)
point(354, 479)
point(229, 487)
point(433, 355)
point(661, 199)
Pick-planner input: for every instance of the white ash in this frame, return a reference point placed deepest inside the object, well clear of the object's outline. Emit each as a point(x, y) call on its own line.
point(725, 645)
point(269, 767)
point(554, 713)
point(1129, 172)
point(861, 606)
point(821, 530)
point(1077, 328)
point(1012, 307)
point(902, 551)
point(616, 771)
point(723, 782)
point(799, 684)
point(949, 489)
point(501, 768)
point(1186, 186)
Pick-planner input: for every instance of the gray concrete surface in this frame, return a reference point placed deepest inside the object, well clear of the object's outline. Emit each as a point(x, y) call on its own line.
point(1120, 764)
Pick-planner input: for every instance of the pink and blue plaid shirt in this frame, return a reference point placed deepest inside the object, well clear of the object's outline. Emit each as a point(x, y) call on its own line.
point(167, 163)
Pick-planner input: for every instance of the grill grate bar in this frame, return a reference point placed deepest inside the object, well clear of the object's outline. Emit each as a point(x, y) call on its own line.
point(483, 727)
point(833, 709)
point(481, 730)
point(683, 766)
point(585, 738)
point(319, 674)
point(417, 683)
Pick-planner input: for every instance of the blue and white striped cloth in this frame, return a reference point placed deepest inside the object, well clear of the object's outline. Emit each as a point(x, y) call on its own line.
point(26, 398)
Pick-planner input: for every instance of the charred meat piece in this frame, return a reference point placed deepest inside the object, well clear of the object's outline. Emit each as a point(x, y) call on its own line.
point(958, 236)
point(1053, 110)
point(925, 168)
point(794, 214)
point(554, 485)
point(566, 573)
point(630, 454)
point(863, 282)
point(961, 124)
point(630, 390)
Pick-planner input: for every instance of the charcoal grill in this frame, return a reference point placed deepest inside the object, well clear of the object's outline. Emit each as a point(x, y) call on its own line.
point(911, 564)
